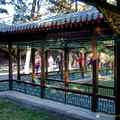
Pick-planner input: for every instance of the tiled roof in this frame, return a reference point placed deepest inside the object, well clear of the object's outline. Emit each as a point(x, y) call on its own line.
point(76, 17)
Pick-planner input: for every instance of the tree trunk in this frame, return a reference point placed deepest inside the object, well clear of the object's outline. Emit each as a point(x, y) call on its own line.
point(33, 10)
point(27, 62)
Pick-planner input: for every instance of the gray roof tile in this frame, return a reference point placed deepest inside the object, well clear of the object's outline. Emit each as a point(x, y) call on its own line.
point(56, 20)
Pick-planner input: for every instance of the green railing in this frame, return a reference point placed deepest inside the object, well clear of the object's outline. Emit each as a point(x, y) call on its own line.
point(82, 96)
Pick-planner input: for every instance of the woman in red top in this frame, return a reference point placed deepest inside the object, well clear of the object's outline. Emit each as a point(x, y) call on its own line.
point(80, 61)
point(37, 64)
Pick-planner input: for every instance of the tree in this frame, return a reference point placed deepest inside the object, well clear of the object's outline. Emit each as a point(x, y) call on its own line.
point(66, 6)
point(2, 10)
point(21, 11)
point(61, 7)
point(27, 11)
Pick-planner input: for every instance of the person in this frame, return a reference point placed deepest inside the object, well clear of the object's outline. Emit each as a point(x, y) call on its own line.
point(90, 63)
point(37, 64)
point(58, 59)
point(87, 62)
point(72, 60)
point(80, 62)
point(50, 61)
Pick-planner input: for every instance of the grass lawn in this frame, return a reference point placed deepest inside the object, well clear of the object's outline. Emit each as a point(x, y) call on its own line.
point(107, 82)
point(10, 111)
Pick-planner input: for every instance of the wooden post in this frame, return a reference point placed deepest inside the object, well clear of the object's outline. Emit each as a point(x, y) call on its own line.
point(2, 54)
point(62, 63)
point(10, 61)
point(83, 60)
point(66, 66)
point(33, 64)
point(117, 78)
point(95, 72)
point(10, 65)
point(46, 60)
point(99, 62)
point(42, 67)
point(83, 63)
point(18, 64)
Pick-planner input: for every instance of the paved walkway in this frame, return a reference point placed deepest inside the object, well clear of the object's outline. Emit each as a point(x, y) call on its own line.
point(56, 109)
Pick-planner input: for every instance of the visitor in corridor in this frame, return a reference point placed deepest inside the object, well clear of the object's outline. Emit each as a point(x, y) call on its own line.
point(37, 64)
point(58, 60)
point(87, 62)
point(50, 62)
point(80, 62)
point(90, 63)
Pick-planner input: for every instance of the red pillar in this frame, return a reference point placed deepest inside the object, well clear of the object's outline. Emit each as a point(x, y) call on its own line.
point(117, 78)
point(33, 64)
point(42, 67)
point(66, 66)
point(18, 64)
point(95, 72)
point(10, 61)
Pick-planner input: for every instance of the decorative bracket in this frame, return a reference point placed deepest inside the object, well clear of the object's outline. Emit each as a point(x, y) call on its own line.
point(112, 18)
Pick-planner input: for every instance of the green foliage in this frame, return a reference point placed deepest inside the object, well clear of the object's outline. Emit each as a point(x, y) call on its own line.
point(23, 52)
point(2, 10)
point(67, 6)
point(61, 6)
point(21, 10)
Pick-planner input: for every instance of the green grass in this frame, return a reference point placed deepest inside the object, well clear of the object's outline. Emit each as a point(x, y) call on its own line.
point(107, 82)
point(10, 111)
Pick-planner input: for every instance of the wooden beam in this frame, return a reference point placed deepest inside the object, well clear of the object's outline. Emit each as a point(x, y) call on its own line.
point(42, 67)
point(66, 66)
point(10, 61)
point(118, 3)
point(18, 64)
point(117, 78)
point(62, 63)
point(33, 63)
point(95, 72)
point(46, 61)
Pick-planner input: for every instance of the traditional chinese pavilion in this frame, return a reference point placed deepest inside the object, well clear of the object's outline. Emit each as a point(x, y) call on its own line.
point(86, 31)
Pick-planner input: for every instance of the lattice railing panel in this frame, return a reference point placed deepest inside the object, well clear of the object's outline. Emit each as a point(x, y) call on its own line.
point(80, 75)
point(75, 76)
point(56, 77)
point(85, 88)
point(26, 77)
point(26, 88)
point(106, 105)
point(78, 99)
point(54, 83)
point(106, 72)
point(73, 42)
point(4, 86)
point(54, 94)
point(24, 45)
point(32, 90)
point(106, 91)
point(3, 45)
point(20, 87)
point(106, 40)
point(88, 74)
